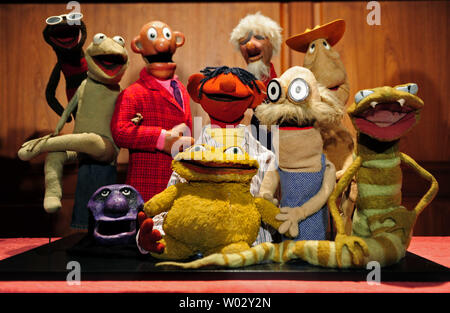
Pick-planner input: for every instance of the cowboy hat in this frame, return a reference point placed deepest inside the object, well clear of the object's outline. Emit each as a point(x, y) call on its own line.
point(332, 32)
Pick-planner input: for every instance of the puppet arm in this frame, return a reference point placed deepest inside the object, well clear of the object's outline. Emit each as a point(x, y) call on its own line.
point(268, 212)
point(51, 89)
point(138, 136)
point(127, 134)
point(269, 186)
point(33, 147)
point(431, 193)
point(293, 216)
point(71, 107)
point(343, 183)
point(161, 202)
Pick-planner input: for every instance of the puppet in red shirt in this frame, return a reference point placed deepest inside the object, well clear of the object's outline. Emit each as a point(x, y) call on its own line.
point(153, 114)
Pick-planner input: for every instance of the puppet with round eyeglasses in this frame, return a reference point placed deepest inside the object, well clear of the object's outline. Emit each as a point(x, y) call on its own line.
point(91, 142)
point(324, 61)
point(305, 175)
point(66, 34)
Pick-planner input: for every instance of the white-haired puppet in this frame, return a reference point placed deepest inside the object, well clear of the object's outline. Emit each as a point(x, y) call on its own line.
point(304, 174)
point(258, 38)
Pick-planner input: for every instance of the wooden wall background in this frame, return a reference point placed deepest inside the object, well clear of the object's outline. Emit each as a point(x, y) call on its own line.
point(410, 45)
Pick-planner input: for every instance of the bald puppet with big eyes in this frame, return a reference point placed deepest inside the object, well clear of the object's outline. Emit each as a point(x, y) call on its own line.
point(153, 113)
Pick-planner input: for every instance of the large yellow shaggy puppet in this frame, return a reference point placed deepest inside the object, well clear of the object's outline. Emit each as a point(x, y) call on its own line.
point(213, 212)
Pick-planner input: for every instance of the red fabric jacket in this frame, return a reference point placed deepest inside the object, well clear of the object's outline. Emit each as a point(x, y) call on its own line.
point(148, 168)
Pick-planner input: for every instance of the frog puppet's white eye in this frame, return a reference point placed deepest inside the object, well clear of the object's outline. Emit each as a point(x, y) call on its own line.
point(234, 150)
point(98, 38)
point(197, 148)
point(119, 40)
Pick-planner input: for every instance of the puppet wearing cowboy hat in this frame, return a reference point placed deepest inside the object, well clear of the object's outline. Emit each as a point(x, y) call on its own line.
point(325, 63)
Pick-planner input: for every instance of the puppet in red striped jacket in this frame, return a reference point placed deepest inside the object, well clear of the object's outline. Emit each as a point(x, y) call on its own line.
point(153, 113)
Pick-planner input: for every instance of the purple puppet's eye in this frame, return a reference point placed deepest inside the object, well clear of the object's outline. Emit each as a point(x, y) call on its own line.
point(126, 191)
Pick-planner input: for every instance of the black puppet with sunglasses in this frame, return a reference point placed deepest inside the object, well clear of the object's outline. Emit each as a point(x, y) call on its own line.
point(66, 34)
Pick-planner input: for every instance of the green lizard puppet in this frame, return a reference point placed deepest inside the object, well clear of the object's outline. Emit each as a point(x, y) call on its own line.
point(94, 102)
point(382, 227)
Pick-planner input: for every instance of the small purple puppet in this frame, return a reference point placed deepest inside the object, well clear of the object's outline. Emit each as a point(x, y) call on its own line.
point(115, 209)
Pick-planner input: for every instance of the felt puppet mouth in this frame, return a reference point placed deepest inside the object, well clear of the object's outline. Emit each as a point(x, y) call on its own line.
point(386, 121)
point(65, 36)
point(110, 64)
point(223, 97)
point(254, 54)
point(115, 228)
point(159, 58)
point(218, 168)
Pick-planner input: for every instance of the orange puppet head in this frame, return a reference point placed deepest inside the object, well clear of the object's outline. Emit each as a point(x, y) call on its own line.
point(225, 93)
point(157, 44)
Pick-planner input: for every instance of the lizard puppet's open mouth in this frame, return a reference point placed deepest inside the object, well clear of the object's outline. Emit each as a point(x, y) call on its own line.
point(386, 120)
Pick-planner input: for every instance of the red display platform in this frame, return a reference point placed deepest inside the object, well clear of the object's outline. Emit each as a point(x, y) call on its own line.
point(436, 249)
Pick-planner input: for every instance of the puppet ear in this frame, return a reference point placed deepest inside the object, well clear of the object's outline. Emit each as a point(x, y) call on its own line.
point(179, 39)
point(259, 97)
point(193, 84)
point(136, 45)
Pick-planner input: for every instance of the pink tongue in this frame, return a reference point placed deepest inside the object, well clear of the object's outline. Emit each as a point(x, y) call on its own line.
point(65, 39)
point(384, 118)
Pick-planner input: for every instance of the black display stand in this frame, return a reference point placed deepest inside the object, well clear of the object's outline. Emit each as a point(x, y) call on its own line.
point(50, 262)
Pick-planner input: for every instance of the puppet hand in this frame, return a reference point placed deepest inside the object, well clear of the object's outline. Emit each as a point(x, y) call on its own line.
point(180, 130)
point(291, 216)
point(174, 140)
point(339, 174)
point(149, 237)
point(353, 191)
point(55, 133)
point(137, 119)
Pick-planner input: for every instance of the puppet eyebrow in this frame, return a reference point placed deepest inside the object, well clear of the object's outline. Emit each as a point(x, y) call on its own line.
point(247, 39)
